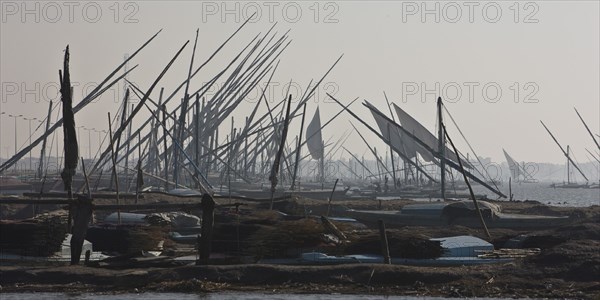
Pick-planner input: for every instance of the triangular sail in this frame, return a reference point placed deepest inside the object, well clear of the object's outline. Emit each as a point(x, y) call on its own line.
point(391, 134)
point(513, 165)
point(314, 139)
point(424, 135)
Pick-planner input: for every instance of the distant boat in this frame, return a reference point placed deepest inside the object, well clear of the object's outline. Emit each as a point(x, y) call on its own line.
point(317, 194)
point(571, 185)
point(518, 172)
point(568, 184)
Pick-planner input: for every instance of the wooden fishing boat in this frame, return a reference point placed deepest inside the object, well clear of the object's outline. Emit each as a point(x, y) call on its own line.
point(456, 213)
point(317, 194)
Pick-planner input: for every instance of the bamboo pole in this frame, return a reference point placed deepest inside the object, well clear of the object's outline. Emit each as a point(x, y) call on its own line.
point(87, 182)
point(378, 134)
point(331, 197)
point(563, 151)
point(442, 150)
point(275, 169)
point(587, 128)
point(99, 90)
point(114, 167)
point(43, 150)
point(297, 161)
point(140, 104)
point(384, 243)
point(468, 184)
point(510, 194)
point(437, 155)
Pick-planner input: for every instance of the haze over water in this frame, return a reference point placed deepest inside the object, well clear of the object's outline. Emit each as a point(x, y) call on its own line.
point(547, 195)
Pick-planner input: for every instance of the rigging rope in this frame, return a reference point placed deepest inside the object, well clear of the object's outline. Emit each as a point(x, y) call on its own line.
point(468, 144)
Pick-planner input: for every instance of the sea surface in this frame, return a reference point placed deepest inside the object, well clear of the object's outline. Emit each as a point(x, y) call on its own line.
point(212, 296)
point(543, 193)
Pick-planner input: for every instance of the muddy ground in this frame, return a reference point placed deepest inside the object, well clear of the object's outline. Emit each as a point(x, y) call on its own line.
point(567, 267)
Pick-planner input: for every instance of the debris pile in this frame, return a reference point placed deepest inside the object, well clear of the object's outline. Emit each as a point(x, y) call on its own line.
point(42, 236)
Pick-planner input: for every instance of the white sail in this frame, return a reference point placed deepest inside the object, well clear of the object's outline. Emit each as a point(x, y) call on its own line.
point(513, 165)
point(314, 139)
point(420, 132)
point(392, 135)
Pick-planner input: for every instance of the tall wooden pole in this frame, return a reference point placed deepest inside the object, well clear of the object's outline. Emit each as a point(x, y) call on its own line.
point(564, 152)
point(43, 150)
point(588, 129)
point(275, 169)
point(114, 167)
point(441, 149)
point(385, 249)
point(462, 170)
point(208, 216)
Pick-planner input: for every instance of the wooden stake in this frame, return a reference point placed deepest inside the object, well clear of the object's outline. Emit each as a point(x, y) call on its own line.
point(510, 194)
point(87, 182)
point(329, 226)
point(83, 213)
point(384, 243)
point(462, 169)
point(331, 197)
point(205, 240)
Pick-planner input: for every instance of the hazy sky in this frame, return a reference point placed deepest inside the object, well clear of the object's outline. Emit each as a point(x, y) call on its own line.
point(505, 66)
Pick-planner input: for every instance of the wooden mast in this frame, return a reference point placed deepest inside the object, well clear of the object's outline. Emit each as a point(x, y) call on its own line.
point(587, 128)
point(568, 167)
point(293, 186)
point(43, 150)
point(441, 149)
point(564, 152)
point(275, 169)
point(426, 147)
point(375, 132)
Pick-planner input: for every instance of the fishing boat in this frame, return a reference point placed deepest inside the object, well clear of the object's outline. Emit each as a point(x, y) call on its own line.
point(461, 213)
point(457, 251)
point(568, 184)
point(317, 194)
point(518, 171)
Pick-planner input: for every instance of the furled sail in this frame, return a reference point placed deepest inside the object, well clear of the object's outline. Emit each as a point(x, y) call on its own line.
point(419, 131)
point(513, 165)
point(70, 135)
point(314, 139)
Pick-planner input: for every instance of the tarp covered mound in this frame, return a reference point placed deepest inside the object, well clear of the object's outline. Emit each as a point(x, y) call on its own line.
point(286, 239)
point(175, 219)
point(42, 236)
point(401, 245)
point(467, 209)
point(126, 238)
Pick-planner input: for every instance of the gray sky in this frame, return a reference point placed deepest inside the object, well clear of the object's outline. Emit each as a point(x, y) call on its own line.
point(542, 56)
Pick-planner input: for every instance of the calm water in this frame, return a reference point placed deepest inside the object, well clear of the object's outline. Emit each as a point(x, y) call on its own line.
point(164, 296)
point(541, 192)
